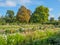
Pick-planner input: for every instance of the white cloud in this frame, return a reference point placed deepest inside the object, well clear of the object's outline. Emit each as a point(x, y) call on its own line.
point(14, 2)
point(20, 2)
point(10, 3)
point(24, 1)
point(51, 15)
point(50, 9)
point(2, 4)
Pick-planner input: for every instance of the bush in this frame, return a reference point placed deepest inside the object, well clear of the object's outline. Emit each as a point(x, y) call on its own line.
point(14, 39)
point(10, 31)
point(3, 41)
point(7, 31)
point(21, 30)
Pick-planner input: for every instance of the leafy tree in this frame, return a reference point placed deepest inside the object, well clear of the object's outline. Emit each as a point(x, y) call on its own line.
point(2, 20)
point(23, 14)
point(40, 15)
point(52, 19)
point(59, 18)
point(9, 16)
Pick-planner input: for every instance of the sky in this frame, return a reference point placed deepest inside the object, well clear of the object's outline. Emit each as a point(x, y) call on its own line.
point(53, 5)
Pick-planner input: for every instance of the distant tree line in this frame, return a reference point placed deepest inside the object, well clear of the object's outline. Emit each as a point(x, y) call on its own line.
point(24, 15)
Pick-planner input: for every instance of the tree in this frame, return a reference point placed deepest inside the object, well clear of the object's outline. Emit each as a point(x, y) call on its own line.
point(23, 14)
point(9, 16)
point(40, 15)
point(2, 20)
point(59, 18)
point(51, 19)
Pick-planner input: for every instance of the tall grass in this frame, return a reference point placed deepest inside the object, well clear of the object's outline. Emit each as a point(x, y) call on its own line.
point(38, 37)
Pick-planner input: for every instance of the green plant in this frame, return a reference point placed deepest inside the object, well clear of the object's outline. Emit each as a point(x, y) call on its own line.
point(21, 30)
point(3, 41)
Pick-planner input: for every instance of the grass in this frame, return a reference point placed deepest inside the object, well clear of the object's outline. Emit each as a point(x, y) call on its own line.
point(29, 26)
point(45, 35)
point(38, 37)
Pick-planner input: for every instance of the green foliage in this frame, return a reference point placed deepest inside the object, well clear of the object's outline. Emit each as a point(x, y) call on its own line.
point(9, 16)
point(38, 37)
point(2, 20)
point(15, 39)
point(10, 31)
point(55, 40)
point(52, 19)
point(59, 18)
point(21, 30)
point(24, 15)
point(40, 15)
point(3, 40)
point(7, 31)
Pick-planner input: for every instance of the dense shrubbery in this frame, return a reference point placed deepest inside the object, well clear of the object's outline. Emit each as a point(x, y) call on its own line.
point(48, 37)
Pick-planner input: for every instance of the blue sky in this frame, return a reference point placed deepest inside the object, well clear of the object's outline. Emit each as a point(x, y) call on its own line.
point(53, 5)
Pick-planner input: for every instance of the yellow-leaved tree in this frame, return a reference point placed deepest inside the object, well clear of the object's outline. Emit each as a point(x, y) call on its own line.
point(23, 14)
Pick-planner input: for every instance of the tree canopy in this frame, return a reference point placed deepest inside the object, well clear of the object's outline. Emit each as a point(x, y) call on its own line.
point(23, 14)
point(40, 14)
point(9, 16)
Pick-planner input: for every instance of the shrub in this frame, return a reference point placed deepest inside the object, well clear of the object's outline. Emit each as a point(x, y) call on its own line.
point(21, 30)
point(15, 39)
point(3, 41)
point(7, 31)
